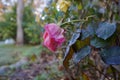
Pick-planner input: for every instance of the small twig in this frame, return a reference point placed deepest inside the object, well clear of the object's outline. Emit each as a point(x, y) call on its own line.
point(80, 20)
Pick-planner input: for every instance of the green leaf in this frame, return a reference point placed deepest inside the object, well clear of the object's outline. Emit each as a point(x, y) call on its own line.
point(75, 36)
point(80, 43)
point(69, 50)
point(98, 42)
point(85, 34)
point(105, 30)
point(68, 55)
point(111, 55)
point(74, 45)
point(91, 28)
point(79, 6)
point(80, 54)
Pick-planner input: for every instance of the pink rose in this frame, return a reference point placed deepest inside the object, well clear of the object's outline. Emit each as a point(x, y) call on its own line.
point(53, 36)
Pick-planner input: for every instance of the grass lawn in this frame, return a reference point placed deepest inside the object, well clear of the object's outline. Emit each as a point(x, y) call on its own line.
point(11, 53)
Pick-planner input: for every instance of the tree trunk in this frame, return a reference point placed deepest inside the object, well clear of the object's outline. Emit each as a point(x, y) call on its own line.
point(20, 35)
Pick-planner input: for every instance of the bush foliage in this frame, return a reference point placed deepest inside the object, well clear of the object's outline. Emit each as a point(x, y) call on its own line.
point(31, 28)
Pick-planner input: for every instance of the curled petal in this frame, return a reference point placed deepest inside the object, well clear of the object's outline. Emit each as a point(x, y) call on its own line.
point(53, 36)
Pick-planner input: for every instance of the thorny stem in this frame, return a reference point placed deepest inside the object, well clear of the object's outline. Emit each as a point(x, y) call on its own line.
point(80, 20)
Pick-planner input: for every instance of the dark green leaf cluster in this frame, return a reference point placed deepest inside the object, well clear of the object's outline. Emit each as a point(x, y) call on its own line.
point(100, 32)
point(102, 36)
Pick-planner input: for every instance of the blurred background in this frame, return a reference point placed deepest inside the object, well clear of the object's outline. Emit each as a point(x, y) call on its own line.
point(22, 56)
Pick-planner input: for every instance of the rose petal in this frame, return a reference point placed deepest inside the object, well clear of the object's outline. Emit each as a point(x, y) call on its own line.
point(53, 36)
